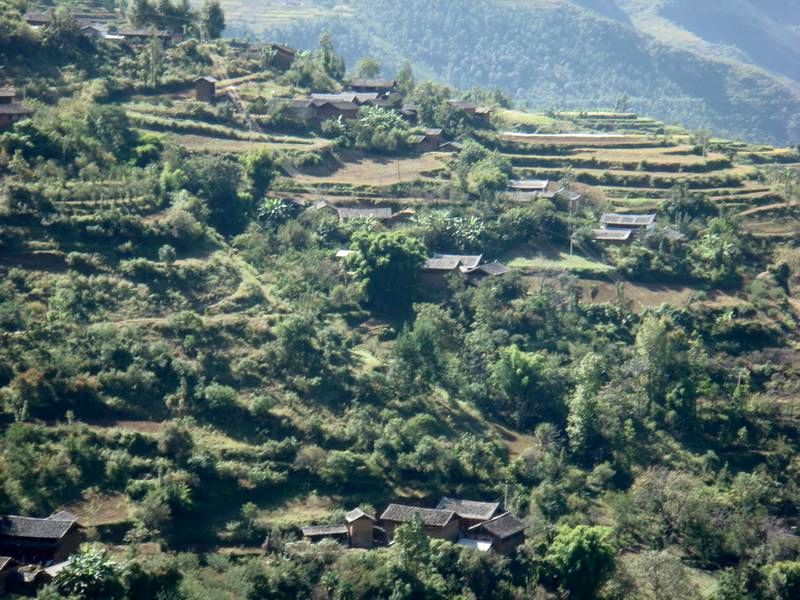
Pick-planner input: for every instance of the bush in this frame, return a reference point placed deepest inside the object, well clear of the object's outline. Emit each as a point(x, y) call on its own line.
point(220, 397)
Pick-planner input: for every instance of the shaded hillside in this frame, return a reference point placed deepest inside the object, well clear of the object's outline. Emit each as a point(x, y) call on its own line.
point(557, 54)
point(759, 33)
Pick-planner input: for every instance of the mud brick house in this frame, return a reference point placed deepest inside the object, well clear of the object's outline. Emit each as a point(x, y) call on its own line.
point(283, 56)
point(31, 540)
point(205, 89)
point(11, 111)
point(441, 524)
point(429, 141)
point(360, 529)
point(502, 533)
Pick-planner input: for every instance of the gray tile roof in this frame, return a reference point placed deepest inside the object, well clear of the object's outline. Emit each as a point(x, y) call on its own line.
point(628, 220)
point(462, 104)
point(14, 109)
point(441, 264)
point(14, 526)
point(494, 269)
point(356, 514)
point(615, 235)
point(467, 262)
point(63, 515)
point(501, 527)
point(529, 184)
point(469, 509)
point(351, 97)
point(324, 530)
point(355, 213)
point(432, 517)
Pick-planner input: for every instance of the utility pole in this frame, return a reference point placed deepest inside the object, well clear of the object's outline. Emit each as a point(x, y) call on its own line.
point(572, 203)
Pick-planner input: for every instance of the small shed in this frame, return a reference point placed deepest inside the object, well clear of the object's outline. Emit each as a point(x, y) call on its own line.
point(441, 524)
point(38, 19)
point(410, 112)
point(205, 88)
point(430, 140)
point(318, 533)
point(505, 532)
point(360, 528)
point(283, 56)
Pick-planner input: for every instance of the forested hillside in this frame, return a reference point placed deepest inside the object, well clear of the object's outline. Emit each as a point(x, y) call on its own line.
point(581, 55)
point(256, 324)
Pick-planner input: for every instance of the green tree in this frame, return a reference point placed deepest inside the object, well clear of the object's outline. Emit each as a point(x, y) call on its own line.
point(431, 100)
point(405, 80)
point(211, 20)
point(388, 265)
point(368, 68)
point(783, 580)
point(582, 422)
point(331, 64)
point(258, 167)
point(91, 574)
point(582, 559)
point(216, 179)
point(412, 545)
point(530, 385)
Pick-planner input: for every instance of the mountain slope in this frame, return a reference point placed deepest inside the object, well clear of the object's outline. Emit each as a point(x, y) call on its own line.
point(764, 34)
point(553, 53)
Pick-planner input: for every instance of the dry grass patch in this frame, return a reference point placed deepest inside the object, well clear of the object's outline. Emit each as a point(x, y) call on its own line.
point(99, 509)
point(376, 171)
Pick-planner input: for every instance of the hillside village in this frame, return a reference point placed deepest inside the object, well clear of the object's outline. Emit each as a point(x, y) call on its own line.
point(250, 295)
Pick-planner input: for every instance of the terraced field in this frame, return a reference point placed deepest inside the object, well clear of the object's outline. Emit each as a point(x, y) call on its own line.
point(266, 14)
point(631, 170)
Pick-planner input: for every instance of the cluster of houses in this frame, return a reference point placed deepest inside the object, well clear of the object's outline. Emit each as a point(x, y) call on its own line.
point(33, 551)
point(99, 25)
point(479, 525)
point(346, 105)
